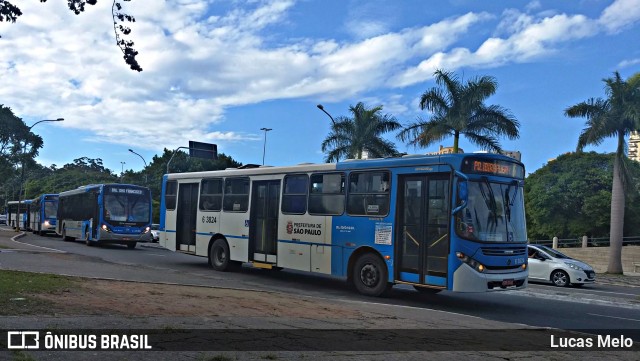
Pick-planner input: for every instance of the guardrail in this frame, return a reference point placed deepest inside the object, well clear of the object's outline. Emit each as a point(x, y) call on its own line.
point(590, 242)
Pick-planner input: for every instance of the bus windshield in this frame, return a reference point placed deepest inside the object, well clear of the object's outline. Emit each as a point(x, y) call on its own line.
point(494, 213)
point(127, 207)
point(50, 209)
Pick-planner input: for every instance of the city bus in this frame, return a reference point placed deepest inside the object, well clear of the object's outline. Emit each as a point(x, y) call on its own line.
point(435, 222)
point(42, 214)
point(105, 213)
point(22, 219)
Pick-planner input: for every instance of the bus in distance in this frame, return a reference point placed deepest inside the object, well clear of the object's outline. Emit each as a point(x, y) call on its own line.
point(435, 222)
point(43, 212)
point(105, 213)
point(21, 219)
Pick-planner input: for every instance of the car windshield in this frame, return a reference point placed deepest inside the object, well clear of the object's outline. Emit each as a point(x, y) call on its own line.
point(155, 227)
point(553, 253)
point(494, 213)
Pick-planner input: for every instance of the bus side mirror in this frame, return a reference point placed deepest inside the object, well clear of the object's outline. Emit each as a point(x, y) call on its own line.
point(463, 195)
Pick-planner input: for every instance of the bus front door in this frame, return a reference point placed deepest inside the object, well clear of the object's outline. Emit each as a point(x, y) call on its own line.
point(186, 217)
point(423, 229)
point(263, 221)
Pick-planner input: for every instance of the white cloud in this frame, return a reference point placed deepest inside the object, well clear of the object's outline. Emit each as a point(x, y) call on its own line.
point(198, 63)
point(628, 62)
point(620, 15)
point(529, 38)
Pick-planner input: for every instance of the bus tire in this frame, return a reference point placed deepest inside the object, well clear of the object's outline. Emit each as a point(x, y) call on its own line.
point(370, 275)
point(65, 237)
point(132, 245)
point(219, 256)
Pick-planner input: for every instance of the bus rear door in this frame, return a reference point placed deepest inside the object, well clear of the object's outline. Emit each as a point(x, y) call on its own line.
point(186, 217)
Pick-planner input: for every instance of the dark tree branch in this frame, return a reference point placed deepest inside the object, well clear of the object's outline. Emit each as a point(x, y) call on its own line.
point(10, 13)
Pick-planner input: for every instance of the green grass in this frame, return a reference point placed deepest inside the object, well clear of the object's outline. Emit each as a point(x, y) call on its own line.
point(19, 290)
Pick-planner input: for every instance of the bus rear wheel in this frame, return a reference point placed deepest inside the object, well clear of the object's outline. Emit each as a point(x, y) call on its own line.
point(370, 275)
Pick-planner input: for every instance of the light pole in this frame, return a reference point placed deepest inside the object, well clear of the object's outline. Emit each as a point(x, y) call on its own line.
point(264, 147)
point(122, 171)
point(322, 108)
point(23, 148)
point(332, 121)
point(146, 181)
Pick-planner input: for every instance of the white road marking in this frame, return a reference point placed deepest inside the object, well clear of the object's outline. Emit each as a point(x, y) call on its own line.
point(619, 318)
point(14, 239)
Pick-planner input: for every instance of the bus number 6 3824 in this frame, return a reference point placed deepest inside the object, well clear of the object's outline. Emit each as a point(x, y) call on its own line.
point(209, 219)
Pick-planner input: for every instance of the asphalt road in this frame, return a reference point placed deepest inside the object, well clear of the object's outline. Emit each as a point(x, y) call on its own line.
point(593, 307)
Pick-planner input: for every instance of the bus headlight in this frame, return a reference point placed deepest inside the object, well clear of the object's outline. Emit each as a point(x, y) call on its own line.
point(46, 223)
point(105, 228)
point(147, 230)
point(471, 262)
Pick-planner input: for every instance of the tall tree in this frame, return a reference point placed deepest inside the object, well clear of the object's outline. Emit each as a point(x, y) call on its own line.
point(350, 137)
point(459, 109)
point(10, 13)
point(616, 116)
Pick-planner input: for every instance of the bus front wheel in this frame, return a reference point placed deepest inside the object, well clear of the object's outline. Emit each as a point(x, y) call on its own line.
point(131, 245)
point(370, 275)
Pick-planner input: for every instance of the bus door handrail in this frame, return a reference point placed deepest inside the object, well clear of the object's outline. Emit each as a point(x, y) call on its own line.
point(464, 201)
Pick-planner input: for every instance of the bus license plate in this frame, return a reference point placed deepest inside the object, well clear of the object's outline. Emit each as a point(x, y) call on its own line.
point(506, 283)
point(128, 239)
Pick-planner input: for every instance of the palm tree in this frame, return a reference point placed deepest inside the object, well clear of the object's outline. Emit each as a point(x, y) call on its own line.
point(459, 109)
point(617, 116)
point(350, 137)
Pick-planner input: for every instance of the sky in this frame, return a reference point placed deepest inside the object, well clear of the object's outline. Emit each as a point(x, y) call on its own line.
point(218, 71)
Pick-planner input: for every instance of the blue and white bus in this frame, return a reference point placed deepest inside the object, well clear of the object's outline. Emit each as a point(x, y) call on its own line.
point(43, 214)
point(105, 213)
point(435, 222)
point(18, 214)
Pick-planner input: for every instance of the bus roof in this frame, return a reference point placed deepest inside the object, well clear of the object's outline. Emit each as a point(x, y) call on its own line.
point(454, 160)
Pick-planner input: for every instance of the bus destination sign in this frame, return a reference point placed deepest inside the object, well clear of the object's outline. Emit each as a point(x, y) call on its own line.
point(497, 167)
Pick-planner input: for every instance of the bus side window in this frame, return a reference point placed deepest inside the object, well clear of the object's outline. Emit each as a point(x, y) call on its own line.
point(294, 197)
point(170, 195)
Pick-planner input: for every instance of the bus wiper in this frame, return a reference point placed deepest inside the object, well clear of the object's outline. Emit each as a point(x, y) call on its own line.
point(490, 200)
point(509, 201)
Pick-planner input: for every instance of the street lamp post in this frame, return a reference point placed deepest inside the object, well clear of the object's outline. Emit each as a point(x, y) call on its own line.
point(322, 108)
point(23, 148)
point(332, 121)
point(122, 170)
point(146, 181)
point(264, 147)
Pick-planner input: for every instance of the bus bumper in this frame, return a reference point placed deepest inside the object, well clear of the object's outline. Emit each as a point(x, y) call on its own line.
point(110, 237)
point(466, 279)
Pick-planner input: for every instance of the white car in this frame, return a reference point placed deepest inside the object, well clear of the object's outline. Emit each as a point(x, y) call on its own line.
point(155, 233)
point(547, 264)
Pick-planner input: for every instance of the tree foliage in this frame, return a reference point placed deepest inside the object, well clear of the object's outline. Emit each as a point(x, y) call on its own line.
point(571, 196)
point(350, 137)
point(458, 109)
point(10, 13)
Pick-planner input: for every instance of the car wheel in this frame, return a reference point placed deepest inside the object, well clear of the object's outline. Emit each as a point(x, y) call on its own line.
point(370, 275)
point(560, 278)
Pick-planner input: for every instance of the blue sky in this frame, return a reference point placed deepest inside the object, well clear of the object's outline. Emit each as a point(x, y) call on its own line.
point(217, 71)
